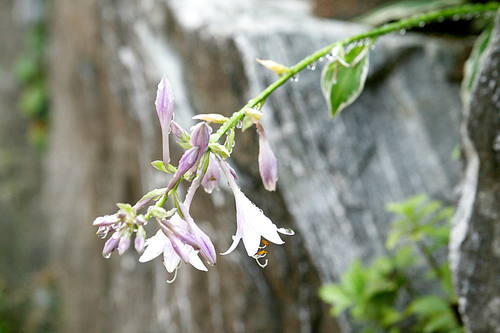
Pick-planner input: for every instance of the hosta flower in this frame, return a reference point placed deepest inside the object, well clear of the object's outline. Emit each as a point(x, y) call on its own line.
point(252, 224)
point(268, 166)
point(203, 242)
point(160, 243)
point(165, 109)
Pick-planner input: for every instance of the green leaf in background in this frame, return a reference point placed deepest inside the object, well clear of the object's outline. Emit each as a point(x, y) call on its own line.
point(33, 100)
point(343, 78)
point(472, 64)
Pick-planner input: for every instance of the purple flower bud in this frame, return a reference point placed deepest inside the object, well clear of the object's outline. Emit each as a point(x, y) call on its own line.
point(106, 220)
point(124, 242)
point(268, 166)
point(165, 109)
point(179, 132)
point(200, 136)
point(111, 244)
point(140, 239)
point(187, 161)
point(212, 176)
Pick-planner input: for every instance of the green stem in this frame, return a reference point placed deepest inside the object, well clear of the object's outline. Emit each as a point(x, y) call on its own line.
point(416, 21)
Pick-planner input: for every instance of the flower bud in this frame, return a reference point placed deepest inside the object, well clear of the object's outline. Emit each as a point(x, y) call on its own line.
point(179, 132)
point(165, 109)
point(111, 244)
point(140, 239)
point(268, 165)
point(124, 242)
point(200, 136)
point(212, 176)
point(106, 220)
point(274, 66)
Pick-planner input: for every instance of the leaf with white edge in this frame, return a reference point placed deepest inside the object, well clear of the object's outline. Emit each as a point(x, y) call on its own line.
point(341, 84)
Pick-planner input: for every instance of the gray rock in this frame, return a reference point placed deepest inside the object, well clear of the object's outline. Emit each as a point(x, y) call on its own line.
point(474, 247)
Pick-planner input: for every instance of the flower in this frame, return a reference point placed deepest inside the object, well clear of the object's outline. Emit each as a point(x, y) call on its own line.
point(165, 108)
point(203, 242)
point(252, 224)
point(161, 243)
point(268, 166)
point(212, 175)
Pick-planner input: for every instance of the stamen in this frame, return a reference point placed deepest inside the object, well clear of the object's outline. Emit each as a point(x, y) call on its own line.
point(260, 264)
point(175, 272)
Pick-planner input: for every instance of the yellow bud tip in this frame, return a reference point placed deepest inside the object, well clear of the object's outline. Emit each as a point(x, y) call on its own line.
point(211, 118)
point(274, 66)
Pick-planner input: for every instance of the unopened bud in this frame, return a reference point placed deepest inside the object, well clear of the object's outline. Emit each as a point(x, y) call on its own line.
point(279, 69)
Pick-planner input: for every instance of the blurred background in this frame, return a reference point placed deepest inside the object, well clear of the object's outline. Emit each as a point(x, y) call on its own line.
point(78, 130)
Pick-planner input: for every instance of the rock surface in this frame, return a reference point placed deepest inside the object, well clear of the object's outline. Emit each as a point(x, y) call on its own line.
point(475, 240)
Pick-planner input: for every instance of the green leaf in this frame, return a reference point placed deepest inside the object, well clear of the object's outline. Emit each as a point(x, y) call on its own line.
point(393, 239)
point(405, 257)
point(472, 64)
point(353, 280)
point(33, 100)
point(247, 123)
point(334, 294)
point(159, 165)
point(428, 305)
point(442, 323)
point(341, 84)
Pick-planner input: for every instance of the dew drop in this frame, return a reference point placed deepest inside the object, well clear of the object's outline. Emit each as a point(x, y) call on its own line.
point(477, 14)
point(372, 47)
point(402, 31)
point(295, 78)
point(286, 231)
point(456, 17)
point(469, 16)
point(239, 124)
point(311, 66)
point(440, 19)
point(330, 57)
point(107, 255)
point(487, 15)
point(209, 190)
point(321, 59)
point(421, 24)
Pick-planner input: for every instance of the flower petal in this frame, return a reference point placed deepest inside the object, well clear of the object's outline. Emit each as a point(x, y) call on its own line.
point(154, 246)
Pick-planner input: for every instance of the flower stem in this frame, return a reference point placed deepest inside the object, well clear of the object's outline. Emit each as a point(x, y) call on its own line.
point(455, 13)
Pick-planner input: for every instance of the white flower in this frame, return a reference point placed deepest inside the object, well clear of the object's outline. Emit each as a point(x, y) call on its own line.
point(160, 243)
point(252, 224)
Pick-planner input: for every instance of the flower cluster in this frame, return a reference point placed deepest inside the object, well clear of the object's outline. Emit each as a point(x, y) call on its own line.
point(179, 238)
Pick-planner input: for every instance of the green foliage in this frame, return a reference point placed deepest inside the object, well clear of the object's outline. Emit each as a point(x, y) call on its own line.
point(370, 293)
